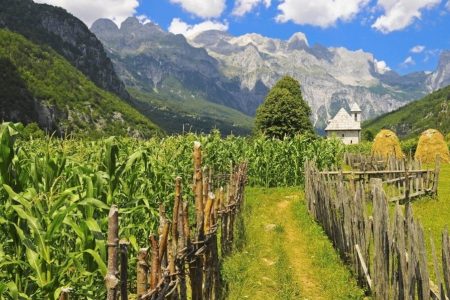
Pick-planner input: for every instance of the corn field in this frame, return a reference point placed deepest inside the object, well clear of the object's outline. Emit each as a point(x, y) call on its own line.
point(55, 197)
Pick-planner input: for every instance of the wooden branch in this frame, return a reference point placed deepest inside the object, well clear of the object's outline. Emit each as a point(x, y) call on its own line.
point(364, 266)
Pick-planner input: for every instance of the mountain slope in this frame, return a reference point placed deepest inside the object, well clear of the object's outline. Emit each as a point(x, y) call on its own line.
point(173, 78)
point(440, 77)
point(193, 115)
point(53, 26)
point(432, 111)
point(38, 85)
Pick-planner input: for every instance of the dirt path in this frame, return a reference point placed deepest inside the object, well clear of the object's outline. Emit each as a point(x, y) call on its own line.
point(285, 255)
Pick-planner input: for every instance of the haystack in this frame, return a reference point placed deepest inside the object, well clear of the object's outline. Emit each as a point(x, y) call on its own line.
point(432, 143)
point(386, 144)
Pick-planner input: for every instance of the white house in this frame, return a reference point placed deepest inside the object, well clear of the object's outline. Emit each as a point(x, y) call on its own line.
point(346, 126)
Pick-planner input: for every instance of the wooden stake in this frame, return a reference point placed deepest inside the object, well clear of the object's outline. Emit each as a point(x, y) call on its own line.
point(142, 273)
point(198, 188)
point(123, 269)
point(156, 265)
point(113, 244)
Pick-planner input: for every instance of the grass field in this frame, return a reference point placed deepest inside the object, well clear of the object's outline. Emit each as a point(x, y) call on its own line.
point(284, 254)
point(434, 215)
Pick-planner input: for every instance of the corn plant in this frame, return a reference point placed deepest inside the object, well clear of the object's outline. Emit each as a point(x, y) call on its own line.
point(55, 194)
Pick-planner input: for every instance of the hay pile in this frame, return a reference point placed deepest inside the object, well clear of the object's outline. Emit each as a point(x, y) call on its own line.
point(386, 144)
point(432, 143)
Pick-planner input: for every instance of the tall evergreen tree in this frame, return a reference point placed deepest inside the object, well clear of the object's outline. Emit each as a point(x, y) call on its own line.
point(284, 112)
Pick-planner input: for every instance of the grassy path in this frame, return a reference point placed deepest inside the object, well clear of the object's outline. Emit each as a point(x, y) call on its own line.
point(284, 254)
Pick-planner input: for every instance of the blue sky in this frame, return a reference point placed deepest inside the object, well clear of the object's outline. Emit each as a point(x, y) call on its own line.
point(407, 35)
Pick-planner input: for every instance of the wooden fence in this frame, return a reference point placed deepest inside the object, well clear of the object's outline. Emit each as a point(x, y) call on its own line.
point(364, 162)
point(387, 254)
point(183, 259)
point(403, 179)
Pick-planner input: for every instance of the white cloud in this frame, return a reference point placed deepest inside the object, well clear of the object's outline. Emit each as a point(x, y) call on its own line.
point(409, 61)
point(399, 14)
point(177, 26)
point(202, 8)
point(448, 5)
point(243, 7)
point(143, 19)
point(417, 49)
point(323, 13)
point(382, 66)
point(90, 10)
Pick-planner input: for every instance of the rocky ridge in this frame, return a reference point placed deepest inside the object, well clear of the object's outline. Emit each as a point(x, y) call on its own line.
point(70, 37)
point(330, 77)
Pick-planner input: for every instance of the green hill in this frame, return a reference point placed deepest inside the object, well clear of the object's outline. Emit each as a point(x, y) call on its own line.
point(38, 85)
point(432, 111)
point(196, 115)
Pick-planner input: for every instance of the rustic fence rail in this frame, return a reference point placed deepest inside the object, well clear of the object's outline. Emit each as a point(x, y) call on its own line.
point(403, 179)
point(364, 162)
point(387, 254)
point(183, 260)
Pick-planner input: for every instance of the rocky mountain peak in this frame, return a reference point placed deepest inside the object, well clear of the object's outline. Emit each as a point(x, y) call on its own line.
point(297, 41)
point(441, 77)
point(104, 25)
point(130, 23)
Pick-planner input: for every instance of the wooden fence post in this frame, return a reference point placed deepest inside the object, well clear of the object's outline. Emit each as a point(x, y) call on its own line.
point(196, 266)
point(142, 273)
point(446, 260)
point(437, 170)
point(113, 244)
point(123, 269)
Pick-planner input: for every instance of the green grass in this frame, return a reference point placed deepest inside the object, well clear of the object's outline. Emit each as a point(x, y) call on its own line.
point(434, 215)
point(284, 253)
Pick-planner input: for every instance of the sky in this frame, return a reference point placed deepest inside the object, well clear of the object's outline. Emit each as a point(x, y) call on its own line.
point(403, 35)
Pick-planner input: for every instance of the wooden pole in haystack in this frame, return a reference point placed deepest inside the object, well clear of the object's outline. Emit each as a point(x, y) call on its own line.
point(113, 244)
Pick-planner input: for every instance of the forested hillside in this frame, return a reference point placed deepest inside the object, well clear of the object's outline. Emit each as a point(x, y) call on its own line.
point(432, 111)
point(38, 85)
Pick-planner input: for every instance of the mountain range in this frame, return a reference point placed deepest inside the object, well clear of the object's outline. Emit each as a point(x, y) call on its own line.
point(136, 72)
point(238, 71)
point(56, 73)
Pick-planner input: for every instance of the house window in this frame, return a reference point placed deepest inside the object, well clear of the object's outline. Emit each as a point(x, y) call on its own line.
point(356, 117)
point(351, 141)
point(343, 135)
